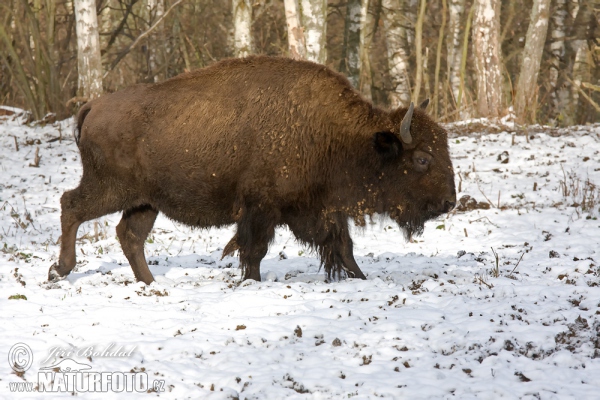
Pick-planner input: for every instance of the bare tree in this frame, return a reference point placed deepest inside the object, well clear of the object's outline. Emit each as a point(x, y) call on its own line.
point(242, 24)
point(314, 22)
point(558, 94)
point(89, 64)
point(486, 49)
point(350, 63)
point(583, 21)
point(397, 44)
point(456, 8)
point(155, 8)
point(366, 37)
point(296, 42)
point(419, 50)
point(527, 89)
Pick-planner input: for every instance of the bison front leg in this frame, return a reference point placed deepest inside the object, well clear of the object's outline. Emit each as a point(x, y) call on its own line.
point(255, 230)
point(132, 231)
point(331, 238)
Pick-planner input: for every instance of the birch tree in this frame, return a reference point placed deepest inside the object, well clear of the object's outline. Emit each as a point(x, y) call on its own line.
point(486, 49)
point(419, 50)
point(397, 43)
point(156, 9)
point(89, 64)
point(525, 99)
point(350, 64)
point(558, 94)
point(296, 42)
point(314, 21)
point(242, 23)
point(583, 21)
point(366, 37)
point(456, 8)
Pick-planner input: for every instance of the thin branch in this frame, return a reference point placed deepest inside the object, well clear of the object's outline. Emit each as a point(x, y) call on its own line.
point(140, 37)
point(584, 94)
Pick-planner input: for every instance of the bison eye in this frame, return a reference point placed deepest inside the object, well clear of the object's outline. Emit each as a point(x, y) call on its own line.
point(421, 160)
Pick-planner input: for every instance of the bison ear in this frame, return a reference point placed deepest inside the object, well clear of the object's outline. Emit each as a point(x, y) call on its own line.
point(387, 144)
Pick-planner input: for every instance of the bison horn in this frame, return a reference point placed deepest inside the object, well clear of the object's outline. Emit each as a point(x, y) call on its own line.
point(405, 125)
point(424, 104)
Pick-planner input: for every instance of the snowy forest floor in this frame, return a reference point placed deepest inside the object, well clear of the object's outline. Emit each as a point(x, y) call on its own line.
point(499, 299)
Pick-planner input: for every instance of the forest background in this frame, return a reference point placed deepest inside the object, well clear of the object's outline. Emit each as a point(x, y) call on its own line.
point(472, 58)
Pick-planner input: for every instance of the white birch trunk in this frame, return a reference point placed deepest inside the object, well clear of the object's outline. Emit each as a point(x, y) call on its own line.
point(156, 9)
point(314, 20)
point(296, 42)
point(395, 35)
point(486, 46)
point(456, 8)
point(89, 64)
point(558, 95)
point(527, 88)
point(242, 24)
point(366, 36)
point(351, 53)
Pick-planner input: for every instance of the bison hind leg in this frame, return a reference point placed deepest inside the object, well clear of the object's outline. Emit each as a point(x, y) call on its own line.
point(132, 231)
point(84, 203)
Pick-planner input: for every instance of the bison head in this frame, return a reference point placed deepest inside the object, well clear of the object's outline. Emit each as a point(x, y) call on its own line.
point(417, 174)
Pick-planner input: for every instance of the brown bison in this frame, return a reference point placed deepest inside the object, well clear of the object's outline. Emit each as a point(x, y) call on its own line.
point(259, 142)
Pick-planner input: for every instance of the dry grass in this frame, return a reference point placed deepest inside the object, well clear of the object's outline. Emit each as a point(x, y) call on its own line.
point(578, 192)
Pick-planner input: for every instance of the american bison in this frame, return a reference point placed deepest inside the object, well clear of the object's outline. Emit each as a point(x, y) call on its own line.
point(260, 142)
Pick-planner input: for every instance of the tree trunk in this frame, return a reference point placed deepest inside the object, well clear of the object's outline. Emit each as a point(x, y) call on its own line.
point(89, 64)
point(242, 24)
point(457, 8)
point(397, 44)
point(296, 42)
point(156, 8)
point(314, 21)
point(366, 37)
point(419, 50)
point(558, 94)
point(584, 20)
point(486, 49)
point(527, 88)
point(350, 64)
point(438, 59)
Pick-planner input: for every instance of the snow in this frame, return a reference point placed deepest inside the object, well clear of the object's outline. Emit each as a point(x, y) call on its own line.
point(435, 319)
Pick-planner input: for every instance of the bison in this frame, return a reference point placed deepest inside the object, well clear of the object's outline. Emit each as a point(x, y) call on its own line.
point(260, 142)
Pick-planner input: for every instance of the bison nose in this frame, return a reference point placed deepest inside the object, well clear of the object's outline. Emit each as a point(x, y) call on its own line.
point(449, 202)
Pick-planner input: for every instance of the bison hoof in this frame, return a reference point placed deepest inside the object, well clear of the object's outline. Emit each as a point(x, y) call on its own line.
point(53, 274)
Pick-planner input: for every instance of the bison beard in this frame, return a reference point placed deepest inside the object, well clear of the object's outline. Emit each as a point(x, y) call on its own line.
point(259, 142)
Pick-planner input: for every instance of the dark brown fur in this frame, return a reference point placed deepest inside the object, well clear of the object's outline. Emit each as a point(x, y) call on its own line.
point(259, 142)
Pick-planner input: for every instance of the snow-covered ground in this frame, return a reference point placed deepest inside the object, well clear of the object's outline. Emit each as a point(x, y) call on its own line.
point(440, 317)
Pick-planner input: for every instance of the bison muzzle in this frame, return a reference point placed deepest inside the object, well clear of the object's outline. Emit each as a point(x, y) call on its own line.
point(260, 142)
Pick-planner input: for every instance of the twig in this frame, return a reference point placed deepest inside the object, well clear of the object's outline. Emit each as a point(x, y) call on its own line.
point(496, 271)
point(489, 285)
point(139, 38)
point(76, 99)
point(584, 94)
point(518, 262)
point(481, 191)
point(479, 219)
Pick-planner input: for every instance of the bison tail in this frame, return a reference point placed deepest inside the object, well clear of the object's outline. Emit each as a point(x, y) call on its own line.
point(83, 112)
